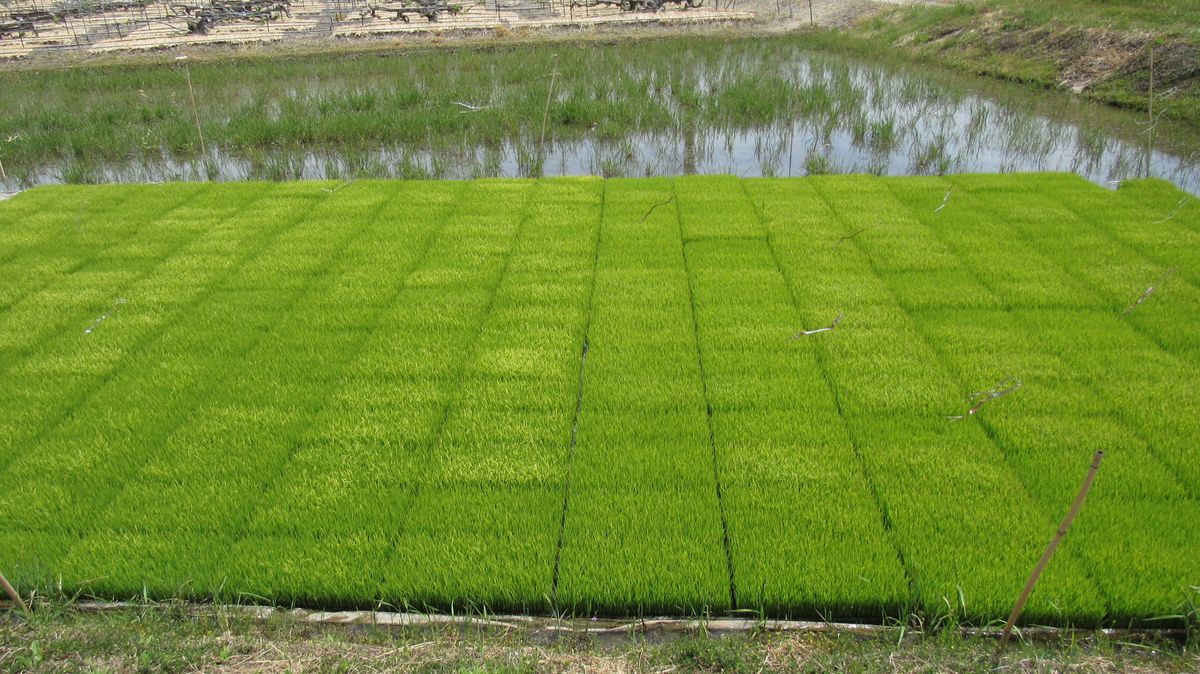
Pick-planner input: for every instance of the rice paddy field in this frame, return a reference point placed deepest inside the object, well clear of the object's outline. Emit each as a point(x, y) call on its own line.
point(764, 105)
point(594, 396)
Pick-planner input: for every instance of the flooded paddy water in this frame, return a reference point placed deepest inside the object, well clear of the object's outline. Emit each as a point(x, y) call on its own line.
point(762, 107)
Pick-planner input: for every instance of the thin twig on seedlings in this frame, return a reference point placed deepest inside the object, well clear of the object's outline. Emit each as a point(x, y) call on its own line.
point(647, 214)
point(851, 236)
point(469, 107)
point(1178, 207)
point(945, 200)
point(829, 328)
point(980, 398)
point(331, 191)
point(1149, 291)
point(79, 215)
point(96, 323)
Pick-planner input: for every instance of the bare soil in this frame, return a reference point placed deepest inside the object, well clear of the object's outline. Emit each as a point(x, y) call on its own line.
point(316, 24)
point(1087, 57)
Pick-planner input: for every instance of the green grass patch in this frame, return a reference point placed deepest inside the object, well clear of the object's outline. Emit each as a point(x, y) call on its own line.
point(589, 396)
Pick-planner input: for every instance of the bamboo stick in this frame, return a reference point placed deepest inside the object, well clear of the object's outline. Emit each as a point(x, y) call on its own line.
point(12, 594)
point(195, 112)
point(1150, 121)
point(1058, 536)
point(545, 119)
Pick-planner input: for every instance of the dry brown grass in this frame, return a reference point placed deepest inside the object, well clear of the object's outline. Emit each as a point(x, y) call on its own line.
point(175, 639)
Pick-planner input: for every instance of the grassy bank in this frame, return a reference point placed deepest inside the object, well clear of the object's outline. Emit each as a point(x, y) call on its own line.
point(167, 638)
point(588, 396)
point(1100, 49)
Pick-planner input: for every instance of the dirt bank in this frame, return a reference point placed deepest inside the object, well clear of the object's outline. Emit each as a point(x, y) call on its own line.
point(1138, 57)
point(312, 26)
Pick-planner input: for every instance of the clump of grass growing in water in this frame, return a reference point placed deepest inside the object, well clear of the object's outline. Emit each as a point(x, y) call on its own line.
point(818, 163)
point(933, 158)
point(883, 134)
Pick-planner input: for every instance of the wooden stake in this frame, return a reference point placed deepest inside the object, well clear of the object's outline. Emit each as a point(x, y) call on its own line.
point(1150, 128)
point(195, 113)
point(12, 594)
point(546, 113)
point(1041, 565)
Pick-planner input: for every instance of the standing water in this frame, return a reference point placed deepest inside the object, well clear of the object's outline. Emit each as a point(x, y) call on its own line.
point(743, 107)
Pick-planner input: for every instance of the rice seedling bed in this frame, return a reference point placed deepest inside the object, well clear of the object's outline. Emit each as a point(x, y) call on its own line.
point(597, 397)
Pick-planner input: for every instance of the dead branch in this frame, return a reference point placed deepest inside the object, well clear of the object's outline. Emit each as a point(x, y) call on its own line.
point(847, 238)
point(33, 15)
point(945, 200)
point(647, 214)
point(832, 326)
point(331, 191)
point(981, 398)
point(18, 28)
point(205, 17)
point(638, 5)
point(430, 9)
point(1149, 291)
point(64, 11)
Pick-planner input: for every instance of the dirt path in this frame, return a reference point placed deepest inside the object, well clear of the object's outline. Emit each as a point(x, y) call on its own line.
point(826, 13)
point(311, 21)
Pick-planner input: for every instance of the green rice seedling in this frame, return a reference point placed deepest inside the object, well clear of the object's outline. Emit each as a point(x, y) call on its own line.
point(1046, 446)
point(780, 445)
point(80, 340)
point(602, 397)
point(95, 418)
point(457, 540)
point(134, 566)
point(884, 375)
point(707, 210)
point(500, 456)
point(632, 383)
point(325, 571)
point(72, 238)
point(1144, 271)
point(33, 560)
point(296, 481)
point(625, 546)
